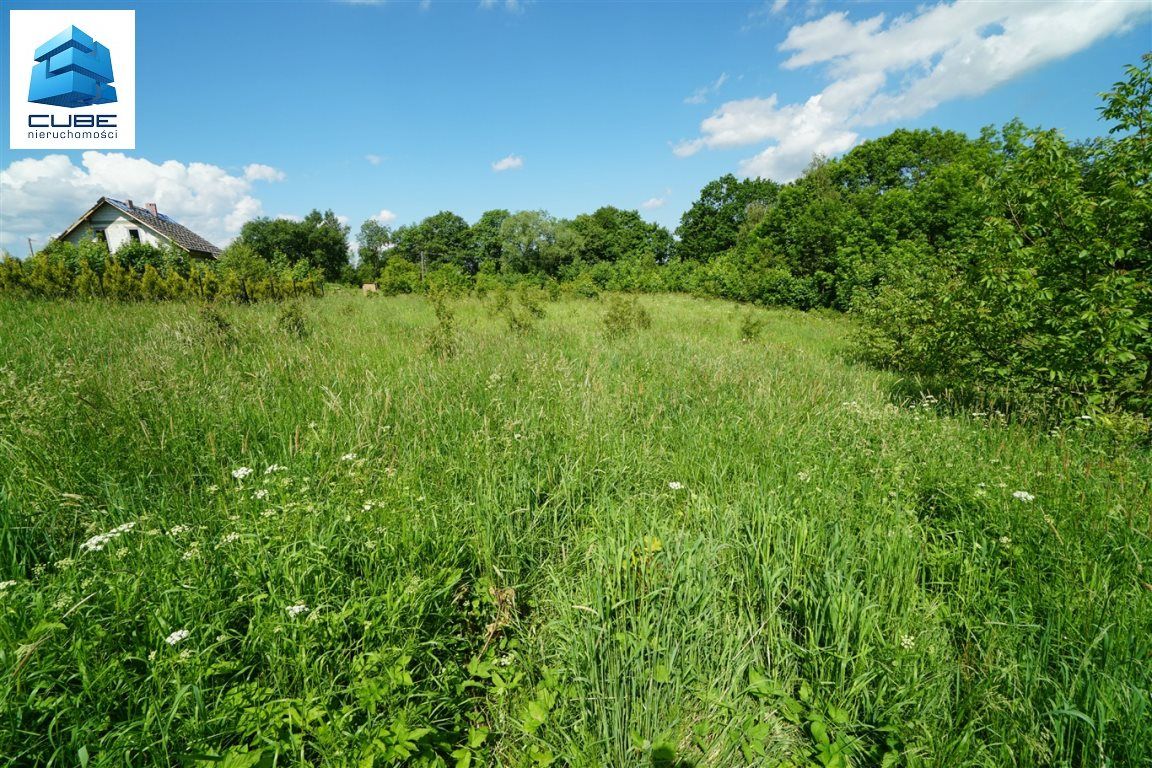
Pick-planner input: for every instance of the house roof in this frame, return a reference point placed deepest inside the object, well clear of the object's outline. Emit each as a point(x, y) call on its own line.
point(159, 223)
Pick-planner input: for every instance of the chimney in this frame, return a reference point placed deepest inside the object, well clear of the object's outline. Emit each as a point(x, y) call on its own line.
point(152, 209)
point(130, 204)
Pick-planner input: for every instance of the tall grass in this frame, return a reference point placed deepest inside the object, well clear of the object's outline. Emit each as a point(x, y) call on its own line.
point(686, 545)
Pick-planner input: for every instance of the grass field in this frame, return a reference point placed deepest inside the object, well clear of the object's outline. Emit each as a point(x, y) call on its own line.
point(666, 547)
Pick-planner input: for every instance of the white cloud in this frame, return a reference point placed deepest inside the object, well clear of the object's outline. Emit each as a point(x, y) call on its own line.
point(259, 172)
point(385, 216)
point(653, 203)
point(374, 159)
point(512, 6)
point(42, 196)
point(779, 5)
point(885, 70)
point(510, 163)
point(289, 217)
point(700, 95)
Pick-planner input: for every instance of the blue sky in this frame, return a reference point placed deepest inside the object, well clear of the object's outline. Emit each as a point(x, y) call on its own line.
point(402, 109)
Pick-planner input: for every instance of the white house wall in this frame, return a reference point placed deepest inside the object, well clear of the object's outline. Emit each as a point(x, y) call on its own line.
point(115, 226)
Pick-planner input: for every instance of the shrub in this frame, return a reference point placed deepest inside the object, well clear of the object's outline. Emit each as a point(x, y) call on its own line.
point(398, 276)
point(751, 325)
point(624, 316)
point(292, 320)
point(442, 340)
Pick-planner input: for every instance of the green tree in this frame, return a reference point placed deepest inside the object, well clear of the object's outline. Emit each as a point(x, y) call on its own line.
point(443, 238)
point(374, 240)
point(486, 237)
point(712, 224)
point(320, 239)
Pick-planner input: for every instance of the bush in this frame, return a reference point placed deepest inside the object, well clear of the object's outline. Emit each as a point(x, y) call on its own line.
point(398, 276)
point(624, 316)
point(292, 320)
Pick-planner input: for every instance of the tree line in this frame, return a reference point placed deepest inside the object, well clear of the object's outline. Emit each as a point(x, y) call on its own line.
point(1014, 264)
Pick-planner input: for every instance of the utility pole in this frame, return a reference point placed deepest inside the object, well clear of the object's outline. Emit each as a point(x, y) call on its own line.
point(423, 266)
point(30, 251)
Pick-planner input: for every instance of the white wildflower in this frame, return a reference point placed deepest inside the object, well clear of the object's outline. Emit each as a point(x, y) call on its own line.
point(176, 530)
point(274, 468)
point(221, 638)
point(296, 610)
point(676, 485)
point(213, 488)
point(100, 540)
point(907, 642)
point(192, 553)
point(229, 538)
point(5, 584)
point(241, 472)
point(185, 654)
point(65, 563)
point(1005, 540)
point(1023, 495)
point(151, 655)
point(348, 457)
point(803, 476)
point(177, 636)
point(268, 513)
point(261, 494)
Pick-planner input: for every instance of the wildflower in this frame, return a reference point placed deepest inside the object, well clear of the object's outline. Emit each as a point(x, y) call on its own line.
point(274, 468)
point(676, 485)
point(185, 654)
point(261, 494)
point(241, 472)
point(367, 506)
point(268, 513)
point(65, 563)
point(100, 540)
point(348, 457)
point(5, 584)
point(1048, 519)
point(177, 636)
point(229, 538)
point(1005, 540)
point(213, 488)
point(803, 476)
point(1023, 495)
point(176, 530)
point(907, 642)
point(151, 655)
point(296, 610)
point(221, 638)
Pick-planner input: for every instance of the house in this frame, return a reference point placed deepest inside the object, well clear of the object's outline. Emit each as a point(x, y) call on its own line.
point(117, 222)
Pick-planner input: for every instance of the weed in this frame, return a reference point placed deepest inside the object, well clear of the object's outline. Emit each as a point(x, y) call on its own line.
point(624, 316)
point(291, 320)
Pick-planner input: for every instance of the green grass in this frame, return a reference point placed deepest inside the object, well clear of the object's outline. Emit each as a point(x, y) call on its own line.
point(499, 569)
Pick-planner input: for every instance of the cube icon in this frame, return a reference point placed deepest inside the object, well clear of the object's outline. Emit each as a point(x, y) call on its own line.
point(72, 70)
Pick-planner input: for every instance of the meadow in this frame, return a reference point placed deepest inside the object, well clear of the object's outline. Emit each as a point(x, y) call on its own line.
point(382, 531)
